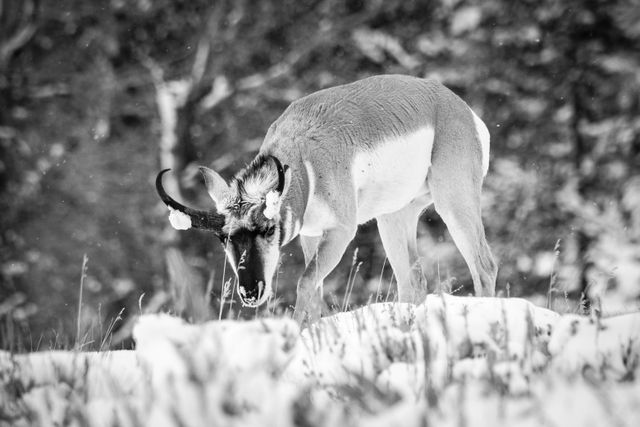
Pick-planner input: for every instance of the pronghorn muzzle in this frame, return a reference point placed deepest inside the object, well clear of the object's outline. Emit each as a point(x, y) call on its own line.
point(205, 220)
point(249, 260)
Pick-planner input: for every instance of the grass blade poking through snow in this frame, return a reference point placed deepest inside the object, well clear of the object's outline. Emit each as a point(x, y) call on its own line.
point(224, 291)
point(351, 281)
point(108, 334)
point(554, 275)
point(384, 263)
point(83, 275)
point(346, 291)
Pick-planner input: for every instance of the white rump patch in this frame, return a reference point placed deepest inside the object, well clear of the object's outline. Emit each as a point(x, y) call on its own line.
point(179, 220)
point(483, 135)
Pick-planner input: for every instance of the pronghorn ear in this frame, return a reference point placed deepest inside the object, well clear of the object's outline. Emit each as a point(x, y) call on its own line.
point(217, 187)
point(287, 179)
point(273, 199)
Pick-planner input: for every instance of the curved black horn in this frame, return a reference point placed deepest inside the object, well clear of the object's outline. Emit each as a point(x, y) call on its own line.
point(280, 169)
point(206, 220)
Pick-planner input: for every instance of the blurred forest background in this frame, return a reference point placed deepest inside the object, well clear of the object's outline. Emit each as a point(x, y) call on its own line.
point(97, 96)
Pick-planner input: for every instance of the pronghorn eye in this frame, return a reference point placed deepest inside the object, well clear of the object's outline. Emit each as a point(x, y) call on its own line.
point(271, 230)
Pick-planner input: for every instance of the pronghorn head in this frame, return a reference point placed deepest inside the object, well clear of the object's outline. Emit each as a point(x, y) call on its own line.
point(246, 219)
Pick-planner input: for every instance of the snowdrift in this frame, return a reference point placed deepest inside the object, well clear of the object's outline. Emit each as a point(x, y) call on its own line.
point(451, 359)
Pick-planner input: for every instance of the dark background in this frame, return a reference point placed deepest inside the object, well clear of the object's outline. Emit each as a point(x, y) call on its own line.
point(97, 96)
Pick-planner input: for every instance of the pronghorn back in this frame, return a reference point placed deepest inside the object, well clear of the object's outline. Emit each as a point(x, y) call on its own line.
point(383, 131)
point(372, 110)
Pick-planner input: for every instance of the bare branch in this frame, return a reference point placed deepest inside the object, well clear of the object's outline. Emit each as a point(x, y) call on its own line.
point(22, 34)
point(328, 35)
point(16, 42)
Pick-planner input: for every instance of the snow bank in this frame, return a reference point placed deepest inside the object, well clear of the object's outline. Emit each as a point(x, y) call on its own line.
point(97, 371)
point(345, 347)
point(447, 337)
point(607, 347)
point(163, 343)
point(551, 401)
point(480, 361)
point(37, 385)
point(221, 371)
point(503, 338)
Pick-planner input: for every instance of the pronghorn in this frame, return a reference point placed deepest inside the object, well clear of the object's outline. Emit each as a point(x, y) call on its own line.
point(384, 147)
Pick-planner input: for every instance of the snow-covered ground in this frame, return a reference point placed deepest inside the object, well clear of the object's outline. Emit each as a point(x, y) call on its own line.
point(449, 361)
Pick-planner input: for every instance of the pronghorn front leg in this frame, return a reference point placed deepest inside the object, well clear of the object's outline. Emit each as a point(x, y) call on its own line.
point(331, 247)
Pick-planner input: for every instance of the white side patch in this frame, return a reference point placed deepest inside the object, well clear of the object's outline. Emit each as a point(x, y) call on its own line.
point(179, 220)
point(483, 135)
point(392, 174)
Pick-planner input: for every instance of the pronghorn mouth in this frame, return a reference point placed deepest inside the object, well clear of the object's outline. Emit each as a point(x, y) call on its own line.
point(252, 301)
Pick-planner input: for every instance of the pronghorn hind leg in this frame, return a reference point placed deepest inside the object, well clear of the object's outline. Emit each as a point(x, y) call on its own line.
point(457, 201)
point(330, 248)
point(398, 234)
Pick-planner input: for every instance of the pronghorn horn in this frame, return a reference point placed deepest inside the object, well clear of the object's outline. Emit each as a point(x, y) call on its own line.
point(206, 220)
point(280, 169)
